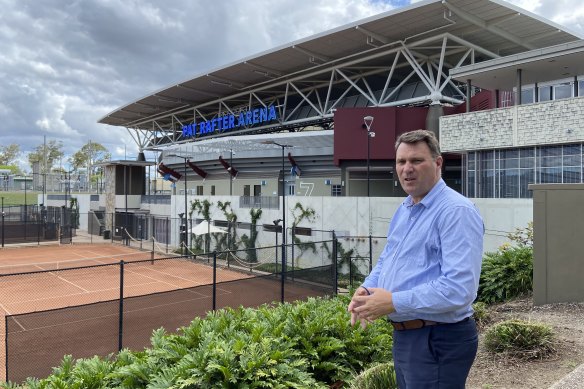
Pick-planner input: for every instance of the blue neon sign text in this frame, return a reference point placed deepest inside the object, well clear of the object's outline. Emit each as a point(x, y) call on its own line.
point(228, 122)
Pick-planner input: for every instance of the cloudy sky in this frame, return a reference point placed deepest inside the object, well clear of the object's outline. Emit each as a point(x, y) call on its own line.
point(64, 64)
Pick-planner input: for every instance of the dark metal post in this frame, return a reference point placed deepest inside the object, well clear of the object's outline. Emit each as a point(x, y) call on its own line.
point(187, 232)
point(351, 272)
point(292, 244)
point(167, 234)
point(25, 215)
point(127, 237)
point(368, 156)
point(152, 254)
point(121, 313)
point(370, 253)
point(283, 224)
point(3, 214)
point(276, 268)
point(367, 122)
point(230, 176)
point(335, 264)
point(214, 280)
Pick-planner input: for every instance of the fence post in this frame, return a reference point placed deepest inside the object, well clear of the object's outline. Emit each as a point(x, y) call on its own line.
point(113, 228)
point(167, 234)
point(38, 233)
point(6, 348)
point(90, 220)
point(152, 255)
point(370, 254)
point(335, 264)
point(121, 314)
point(351, 272)
point(214, 280)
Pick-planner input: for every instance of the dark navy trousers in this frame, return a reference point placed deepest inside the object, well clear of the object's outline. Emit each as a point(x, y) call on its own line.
point(435, 357)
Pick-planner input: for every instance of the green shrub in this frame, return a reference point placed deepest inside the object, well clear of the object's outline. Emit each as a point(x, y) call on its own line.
point(520, 339)
point(307, 344)
point(481, 314)
point(505, 274)
point(381, 376)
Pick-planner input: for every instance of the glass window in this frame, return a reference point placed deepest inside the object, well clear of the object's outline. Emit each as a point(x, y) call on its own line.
point(487, 160)
point(336, 190)
point(550, 175)
point(471, 161)
point(511, 163)
point(572, 160)
point(199, 190)
point(527, 152)
point(212, 190)
point(563, 91)
point(551, 162)
point(545, 93)
point(580, 88)
point(510, 153)
point(551, 151)
point(526, 177)
point(572, 150)
point(509, 183)
point(572, 175)
point(527, 96)
point(487, 183)
point(470, 187)
point(525, 163)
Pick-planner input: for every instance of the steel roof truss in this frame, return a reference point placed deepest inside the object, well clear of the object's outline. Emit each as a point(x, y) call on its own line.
point(490, 27)
point(417, 68)
point(442, 53)
point(397, 88)
point(389, 76)
point(356, 87)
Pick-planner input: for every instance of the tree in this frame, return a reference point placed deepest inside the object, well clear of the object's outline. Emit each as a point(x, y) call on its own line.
point(46, 155)
point(90, 154)
point(9, 154)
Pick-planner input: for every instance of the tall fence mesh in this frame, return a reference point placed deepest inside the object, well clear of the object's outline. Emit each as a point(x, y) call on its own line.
point(97, 310)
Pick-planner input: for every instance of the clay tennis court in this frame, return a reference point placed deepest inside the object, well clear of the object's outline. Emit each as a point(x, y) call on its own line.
point(62, 310)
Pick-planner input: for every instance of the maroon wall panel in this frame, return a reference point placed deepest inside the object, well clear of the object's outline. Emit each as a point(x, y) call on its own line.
point(350, 138)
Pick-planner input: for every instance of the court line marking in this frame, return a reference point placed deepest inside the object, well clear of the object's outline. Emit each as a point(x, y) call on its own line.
point(113, 314)
point(78, 294)
point(7, 313)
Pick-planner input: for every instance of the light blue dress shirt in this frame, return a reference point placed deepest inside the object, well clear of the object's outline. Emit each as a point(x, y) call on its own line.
point(432, 260)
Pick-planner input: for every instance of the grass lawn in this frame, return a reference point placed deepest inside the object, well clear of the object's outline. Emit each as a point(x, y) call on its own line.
point(17, 198)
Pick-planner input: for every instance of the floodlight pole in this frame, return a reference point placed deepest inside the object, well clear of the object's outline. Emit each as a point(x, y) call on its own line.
point(185, 159)
point(368, 121)
point(230, 177)
point(271, 142)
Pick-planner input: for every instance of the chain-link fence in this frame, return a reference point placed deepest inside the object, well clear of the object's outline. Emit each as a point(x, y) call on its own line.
point(98, 310)
point(33, 223)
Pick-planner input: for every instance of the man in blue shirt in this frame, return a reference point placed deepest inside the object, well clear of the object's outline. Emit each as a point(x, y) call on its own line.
point(427, 276)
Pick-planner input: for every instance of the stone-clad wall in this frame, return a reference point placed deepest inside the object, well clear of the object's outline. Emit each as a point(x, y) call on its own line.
point(550, 122)
point(110, 194)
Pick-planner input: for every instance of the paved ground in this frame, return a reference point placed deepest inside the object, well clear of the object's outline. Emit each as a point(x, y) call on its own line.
point(574, 380)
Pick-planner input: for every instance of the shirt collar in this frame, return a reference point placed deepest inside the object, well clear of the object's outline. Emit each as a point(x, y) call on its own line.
point(429, 198)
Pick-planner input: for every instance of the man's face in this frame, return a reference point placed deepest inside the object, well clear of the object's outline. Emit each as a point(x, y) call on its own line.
point(418, 172)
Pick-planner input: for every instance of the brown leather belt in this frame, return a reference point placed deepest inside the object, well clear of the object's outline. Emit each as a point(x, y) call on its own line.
point(413, 324)
point(418, 323)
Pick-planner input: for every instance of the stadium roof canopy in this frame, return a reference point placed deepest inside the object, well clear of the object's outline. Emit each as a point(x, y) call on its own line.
point(541, 65)
point(398, 58)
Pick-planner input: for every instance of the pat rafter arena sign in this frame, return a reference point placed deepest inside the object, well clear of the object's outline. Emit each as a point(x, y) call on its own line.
point(230, 122)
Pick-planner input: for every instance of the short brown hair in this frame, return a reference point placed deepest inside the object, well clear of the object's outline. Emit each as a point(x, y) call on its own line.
point(416, 136)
